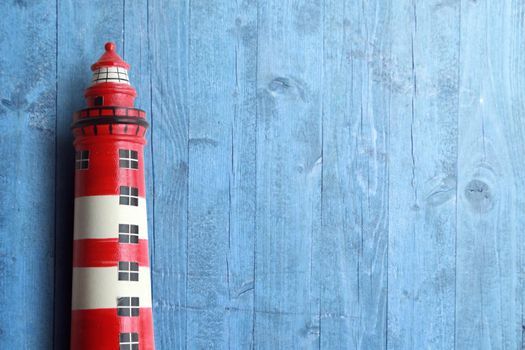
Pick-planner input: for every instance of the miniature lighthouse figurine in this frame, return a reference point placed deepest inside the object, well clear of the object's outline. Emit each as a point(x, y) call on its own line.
point(111, 303)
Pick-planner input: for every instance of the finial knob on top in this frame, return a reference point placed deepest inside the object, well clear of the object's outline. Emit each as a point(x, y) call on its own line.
point(110, 58)
point(110, 46)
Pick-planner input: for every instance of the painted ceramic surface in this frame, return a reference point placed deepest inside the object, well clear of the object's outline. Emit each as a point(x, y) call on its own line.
point(111, 300)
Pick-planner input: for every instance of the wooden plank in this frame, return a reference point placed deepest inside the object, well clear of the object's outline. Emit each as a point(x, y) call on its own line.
point(221, 192)
point(289, 162)
point(422, 172)
point(341, 207)
point(377, 129)
point(240, 261)
point(355, 175)
point(489, 295)
point(168, 42)
point(27, 171)
point(136, 51)
point(83, 28)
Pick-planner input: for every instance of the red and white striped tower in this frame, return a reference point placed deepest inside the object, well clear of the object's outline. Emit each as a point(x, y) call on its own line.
point(111, 304)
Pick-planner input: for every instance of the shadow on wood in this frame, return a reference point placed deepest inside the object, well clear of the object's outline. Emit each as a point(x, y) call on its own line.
point(64, 210)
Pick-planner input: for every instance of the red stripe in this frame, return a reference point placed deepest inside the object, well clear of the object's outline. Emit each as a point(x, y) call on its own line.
point(100, 329)
point(103, 176)
point(108, 252)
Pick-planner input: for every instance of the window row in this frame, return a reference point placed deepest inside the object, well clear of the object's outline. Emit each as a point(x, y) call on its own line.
point(129, 341)
point(127, 159)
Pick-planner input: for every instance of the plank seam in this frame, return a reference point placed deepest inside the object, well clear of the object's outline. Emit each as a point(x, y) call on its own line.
point(56, 175)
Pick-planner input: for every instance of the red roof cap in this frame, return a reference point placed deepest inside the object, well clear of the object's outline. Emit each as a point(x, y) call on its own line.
point(110, 58)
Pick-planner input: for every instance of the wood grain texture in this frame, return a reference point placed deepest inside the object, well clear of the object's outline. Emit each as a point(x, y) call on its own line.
point(289, 162)
point(320, 174)
point(168, 42)
point(489, 264)
point(27, 224)
point(423, 111)
point(355, 178)
point(220, 279)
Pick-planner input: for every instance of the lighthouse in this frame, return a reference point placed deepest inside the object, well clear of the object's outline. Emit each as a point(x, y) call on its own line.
point(111, 301)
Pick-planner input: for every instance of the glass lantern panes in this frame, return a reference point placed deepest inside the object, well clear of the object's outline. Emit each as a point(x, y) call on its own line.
point(110, 75)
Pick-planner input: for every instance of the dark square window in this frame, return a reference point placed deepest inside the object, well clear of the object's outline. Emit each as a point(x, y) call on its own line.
point(81, 160)
point(128, 159)
point(128, 306)
point(128, 271)
point(129, 341)
point(99, 101)
point(129, 196)
point(124, 190)
point(128, 233)
point(124, 311)
point(124, 301)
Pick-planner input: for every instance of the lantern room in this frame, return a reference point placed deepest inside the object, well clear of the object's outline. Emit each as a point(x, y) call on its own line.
point(110, 84)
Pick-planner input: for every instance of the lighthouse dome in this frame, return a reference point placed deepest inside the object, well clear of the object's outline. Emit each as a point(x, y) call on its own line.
point(110, 68)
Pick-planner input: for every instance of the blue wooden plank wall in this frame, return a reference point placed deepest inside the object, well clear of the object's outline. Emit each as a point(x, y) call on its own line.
point(320, 174)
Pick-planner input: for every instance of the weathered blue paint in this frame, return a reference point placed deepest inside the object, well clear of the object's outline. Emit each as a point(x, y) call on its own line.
point(320, 174)
point(28, 162)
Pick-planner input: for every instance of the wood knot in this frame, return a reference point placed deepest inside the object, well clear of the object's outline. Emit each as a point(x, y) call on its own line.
point(479, 196)
point(291, 87)
point(279, 85)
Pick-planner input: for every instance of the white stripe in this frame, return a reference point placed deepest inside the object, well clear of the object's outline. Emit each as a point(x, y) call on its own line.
point(99, 217)
point(99, 288)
